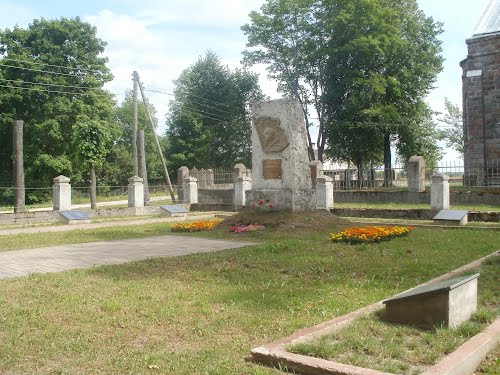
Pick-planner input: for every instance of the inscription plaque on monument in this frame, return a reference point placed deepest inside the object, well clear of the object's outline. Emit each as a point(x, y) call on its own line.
point(271, 169)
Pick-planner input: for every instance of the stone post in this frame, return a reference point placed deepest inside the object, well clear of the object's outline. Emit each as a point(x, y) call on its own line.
point(190, 190)
point(239, 170)
point(324, 193)
point(202, 178)
point(440, 192)
point(416, 174)
point(241, 185)
point(193, 173)
point(182, 173)
point(210, 178)
point(135, 192)
point(61, 194)
point(316, 171)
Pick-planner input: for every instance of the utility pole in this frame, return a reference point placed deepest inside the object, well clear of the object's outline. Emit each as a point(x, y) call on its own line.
point(134, 129)
point(143, 172)
point(18, 158)
point(158, 147)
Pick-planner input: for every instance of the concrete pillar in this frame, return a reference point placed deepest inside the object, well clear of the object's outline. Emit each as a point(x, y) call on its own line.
point(135, 192)
point(210, 178)
point(190, 190)
point(416, 174)
point(193, 173)
point(61, 194)
point(324, 193)
point(241, 185)
point(202, 178)
point(182, 173)
point(316, 171)
point(239, 170)
point(440, 192)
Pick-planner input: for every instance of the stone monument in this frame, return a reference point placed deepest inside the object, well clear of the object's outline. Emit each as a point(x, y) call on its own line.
point(281, 177)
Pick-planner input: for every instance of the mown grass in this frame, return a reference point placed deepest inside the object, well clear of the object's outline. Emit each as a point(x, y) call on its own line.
point(202, 313)
point(401, 349)
point(34, 240)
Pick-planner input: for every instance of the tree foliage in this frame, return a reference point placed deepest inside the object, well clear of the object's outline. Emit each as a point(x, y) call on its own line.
point(454, 132)
point(365, 66)
point(54, 73)
point(209, 120)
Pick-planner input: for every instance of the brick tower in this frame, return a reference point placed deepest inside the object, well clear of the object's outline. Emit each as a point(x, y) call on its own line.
point(481, 100)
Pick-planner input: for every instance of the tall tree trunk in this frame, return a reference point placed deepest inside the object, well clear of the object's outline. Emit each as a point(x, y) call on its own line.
point(387, 160)
point(19, 201)
point(93, 189)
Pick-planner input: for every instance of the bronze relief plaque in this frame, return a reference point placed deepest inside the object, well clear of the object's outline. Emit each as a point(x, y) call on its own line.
point(272, 137)
point(271, 169)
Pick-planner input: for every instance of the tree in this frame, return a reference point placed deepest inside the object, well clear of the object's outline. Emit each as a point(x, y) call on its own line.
point(52, 72)
point(365, 65)
point(209, 120)
point(92, 140)
point(291, 43)
point(454, 132)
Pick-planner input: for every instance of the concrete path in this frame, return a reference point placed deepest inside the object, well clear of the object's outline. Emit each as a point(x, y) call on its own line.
point(61, 258)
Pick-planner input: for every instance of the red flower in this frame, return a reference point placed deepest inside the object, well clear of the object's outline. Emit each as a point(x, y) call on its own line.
point(270, 205)
point(260, 203)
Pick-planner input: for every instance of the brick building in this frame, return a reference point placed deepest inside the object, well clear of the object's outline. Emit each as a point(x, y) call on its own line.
point(481, 100)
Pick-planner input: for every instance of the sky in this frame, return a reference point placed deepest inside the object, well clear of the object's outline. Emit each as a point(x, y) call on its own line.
point(159, 39)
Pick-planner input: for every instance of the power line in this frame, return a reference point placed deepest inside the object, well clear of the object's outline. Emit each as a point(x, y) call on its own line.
point(39, 70)
point(47, 84)
point(196, 96)
point(51, 91)
point(198, 103)
point(51, 65)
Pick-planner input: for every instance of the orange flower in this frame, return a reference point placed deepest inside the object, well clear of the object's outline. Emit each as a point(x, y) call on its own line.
point(369, 234)
point(195, 226)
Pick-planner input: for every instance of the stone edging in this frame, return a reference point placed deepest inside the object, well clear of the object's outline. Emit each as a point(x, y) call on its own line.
point(463, 361)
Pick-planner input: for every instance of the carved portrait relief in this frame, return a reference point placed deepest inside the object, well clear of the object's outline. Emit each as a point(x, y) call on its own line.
point(272, 137)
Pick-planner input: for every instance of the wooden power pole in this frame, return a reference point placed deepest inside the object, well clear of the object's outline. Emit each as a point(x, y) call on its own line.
point(158, 147)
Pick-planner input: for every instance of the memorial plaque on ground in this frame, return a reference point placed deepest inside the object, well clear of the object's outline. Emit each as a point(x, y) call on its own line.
point(451, 217)
point(448, 303)
point(72, 217)
point(173, 211)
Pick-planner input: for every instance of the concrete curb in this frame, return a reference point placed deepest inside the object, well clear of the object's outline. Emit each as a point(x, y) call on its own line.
point(463, 361)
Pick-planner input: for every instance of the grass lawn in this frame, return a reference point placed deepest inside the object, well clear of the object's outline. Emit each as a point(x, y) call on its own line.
point(401, 349)
point(202, 313)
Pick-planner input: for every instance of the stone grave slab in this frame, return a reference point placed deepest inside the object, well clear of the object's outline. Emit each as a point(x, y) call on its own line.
point(451, 217)
point(173, 211)
point(74, 217)
point(448, 303)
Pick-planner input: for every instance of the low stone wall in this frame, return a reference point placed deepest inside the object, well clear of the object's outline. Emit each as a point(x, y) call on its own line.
point(53, 216)
point(456, 198)
point(411, 214)
point(29, 217)
point(216, 196)
point(212, 207)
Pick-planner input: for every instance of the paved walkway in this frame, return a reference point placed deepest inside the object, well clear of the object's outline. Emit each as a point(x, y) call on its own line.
point(61, 258)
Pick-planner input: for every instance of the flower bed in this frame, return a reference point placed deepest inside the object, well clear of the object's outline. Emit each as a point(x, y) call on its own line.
point(195, 226)
point(246, 228)
point(369, 234)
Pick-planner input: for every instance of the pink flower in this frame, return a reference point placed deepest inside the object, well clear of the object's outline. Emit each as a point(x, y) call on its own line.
point(260, 203)
point(270, 205)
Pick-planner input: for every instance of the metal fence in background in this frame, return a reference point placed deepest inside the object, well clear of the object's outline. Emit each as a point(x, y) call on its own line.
point(472, 176)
